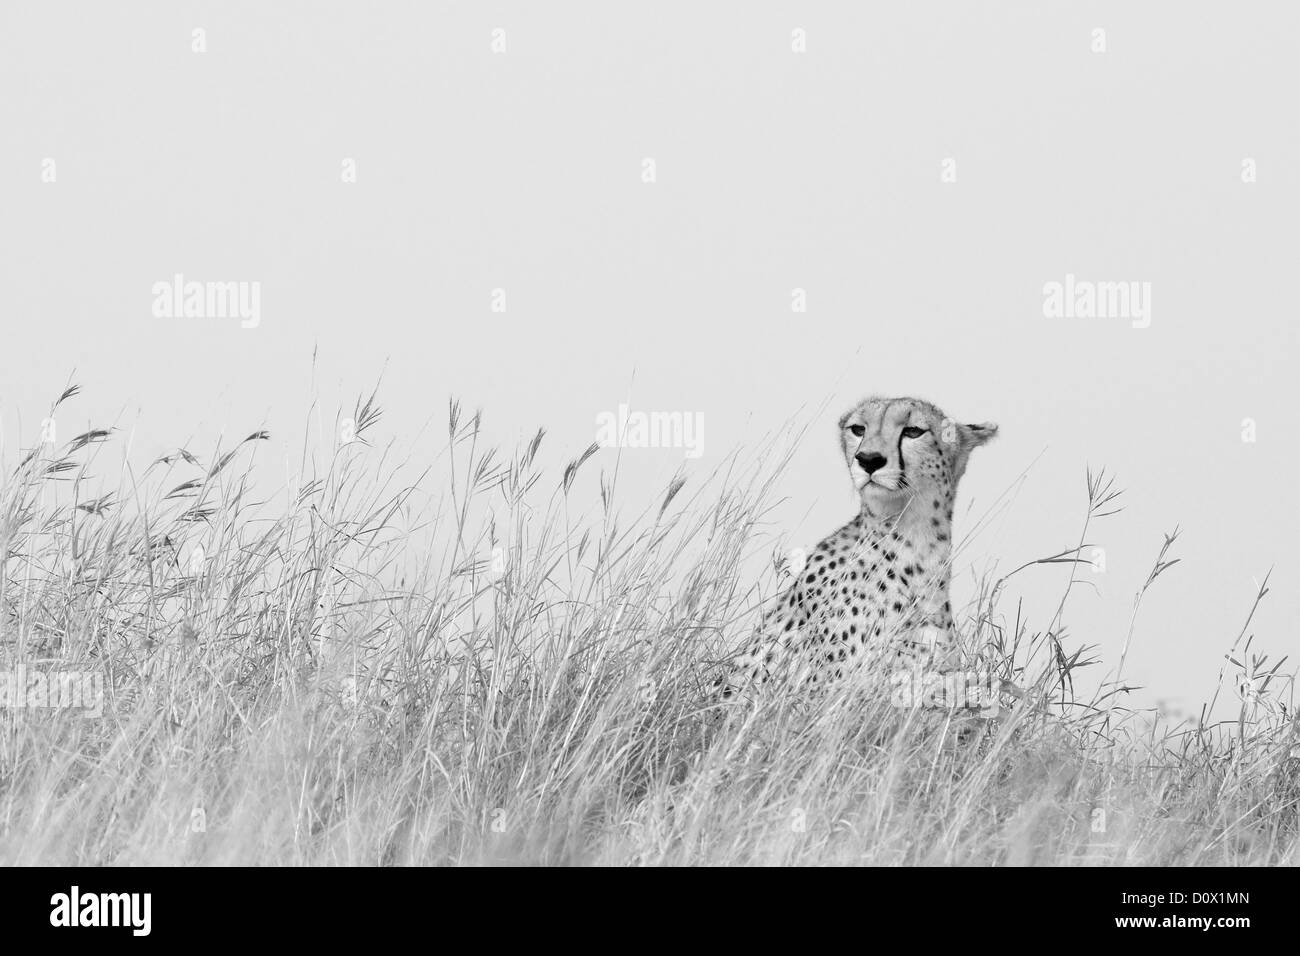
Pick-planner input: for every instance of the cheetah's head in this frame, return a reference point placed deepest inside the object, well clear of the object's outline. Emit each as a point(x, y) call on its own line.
point(898, 449)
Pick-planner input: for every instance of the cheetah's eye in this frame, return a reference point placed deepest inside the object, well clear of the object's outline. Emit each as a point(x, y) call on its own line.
point(858, 430)
point(911, 431)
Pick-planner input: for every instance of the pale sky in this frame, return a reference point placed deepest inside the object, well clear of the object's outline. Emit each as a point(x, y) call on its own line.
point(921, 172)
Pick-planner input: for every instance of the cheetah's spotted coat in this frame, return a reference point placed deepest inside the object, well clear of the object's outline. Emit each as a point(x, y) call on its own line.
point(876, 591)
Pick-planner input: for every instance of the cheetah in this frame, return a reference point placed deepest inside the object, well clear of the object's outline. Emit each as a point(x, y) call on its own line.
point(875, 593)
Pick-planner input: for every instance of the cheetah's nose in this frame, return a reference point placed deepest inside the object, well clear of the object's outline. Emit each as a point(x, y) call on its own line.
point(870, 463)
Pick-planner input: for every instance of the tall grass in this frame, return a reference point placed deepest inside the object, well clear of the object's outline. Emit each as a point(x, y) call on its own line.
point(496, 664)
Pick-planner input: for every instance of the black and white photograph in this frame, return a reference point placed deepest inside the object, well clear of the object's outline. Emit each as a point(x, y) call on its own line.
point(458, 435)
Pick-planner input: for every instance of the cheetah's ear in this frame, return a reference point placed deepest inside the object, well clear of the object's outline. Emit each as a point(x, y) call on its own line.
point(972, 436)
